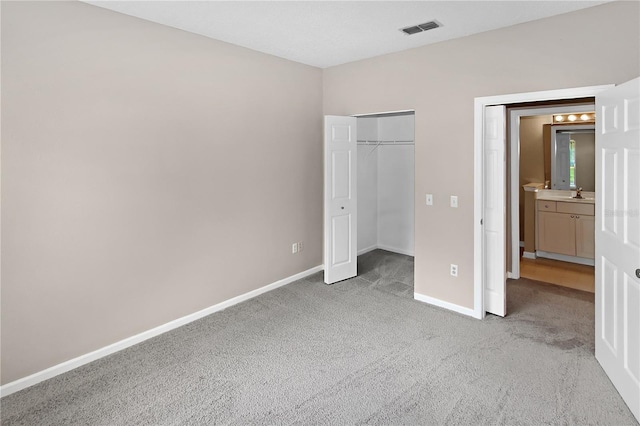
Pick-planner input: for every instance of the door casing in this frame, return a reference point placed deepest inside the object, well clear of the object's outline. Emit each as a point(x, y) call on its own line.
point(479, 258)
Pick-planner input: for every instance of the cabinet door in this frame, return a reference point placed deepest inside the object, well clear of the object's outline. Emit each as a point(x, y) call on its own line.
point(585, 239)
point(557, 233)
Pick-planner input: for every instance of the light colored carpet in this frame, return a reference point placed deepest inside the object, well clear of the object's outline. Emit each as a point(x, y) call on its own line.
point(358, 352)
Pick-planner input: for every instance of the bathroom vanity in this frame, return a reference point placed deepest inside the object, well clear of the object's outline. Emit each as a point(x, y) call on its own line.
point(565, 226)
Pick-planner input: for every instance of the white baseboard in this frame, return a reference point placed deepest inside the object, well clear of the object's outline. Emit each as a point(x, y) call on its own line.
point(50, 372)
point(367, 250)
point(446, 305)
point(396, 250)
point(387, 248)
point(565, 258)
point(528, 255)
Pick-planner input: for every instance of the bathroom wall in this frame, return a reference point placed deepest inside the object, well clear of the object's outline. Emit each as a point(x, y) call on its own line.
point(531, 156)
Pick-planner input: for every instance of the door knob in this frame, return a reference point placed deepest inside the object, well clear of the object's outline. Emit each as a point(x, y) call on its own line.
point(342, 208)
point(638, 273)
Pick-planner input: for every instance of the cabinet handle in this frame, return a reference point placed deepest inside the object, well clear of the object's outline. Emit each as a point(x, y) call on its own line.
point(572, 216)
point(577, 217)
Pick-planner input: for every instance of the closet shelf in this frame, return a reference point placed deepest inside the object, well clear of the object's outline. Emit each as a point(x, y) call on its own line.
point(389, 142)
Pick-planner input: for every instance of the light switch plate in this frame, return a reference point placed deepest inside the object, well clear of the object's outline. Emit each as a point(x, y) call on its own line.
point(454, 201)
point(429, 199)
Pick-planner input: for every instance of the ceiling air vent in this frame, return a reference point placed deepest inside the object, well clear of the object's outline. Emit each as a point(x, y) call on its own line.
point(420, 28)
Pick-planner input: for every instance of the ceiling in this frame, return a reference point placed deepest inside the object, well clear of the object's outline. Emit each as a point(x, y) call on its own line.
point(327, 33)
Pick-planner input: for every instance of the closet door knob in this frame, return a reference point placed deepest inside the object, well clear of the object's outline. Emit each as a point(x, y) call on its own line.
point(342, 207)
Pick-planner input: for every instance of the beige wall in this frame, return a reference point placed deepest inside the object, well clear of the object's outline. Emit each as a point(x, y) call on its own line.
point(585, 160)
point(531, 156)
point(441, 81)
point(147, 173)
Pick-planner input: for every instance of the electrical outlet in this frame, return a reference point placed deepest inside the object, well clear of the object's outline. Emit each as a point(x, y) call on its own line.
point(300, 246)
point(429, 199)
point(454, 270)
point(294, 248)
point(454, 201)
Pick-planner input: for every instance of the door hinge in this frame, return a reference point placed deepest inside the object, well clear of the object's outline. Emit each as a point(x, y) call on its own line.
point(481, 222)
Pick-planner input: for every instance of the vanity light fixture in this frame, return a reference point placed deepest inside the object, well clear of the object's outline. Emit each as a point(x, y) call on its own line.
point(570, 118)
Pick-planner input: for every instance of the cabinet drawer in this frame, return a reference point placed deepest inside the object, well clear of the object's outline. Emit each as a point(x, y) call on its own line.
point(575, 208)
point(547, 206)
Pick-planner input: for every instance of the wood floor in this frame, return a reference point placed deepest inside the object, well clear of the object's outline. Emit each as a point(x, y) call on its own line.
point(572, 275)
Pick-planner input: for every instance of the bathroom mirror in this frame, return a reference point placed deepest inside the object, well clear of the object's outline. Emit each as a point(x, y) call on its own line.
point(573, 157)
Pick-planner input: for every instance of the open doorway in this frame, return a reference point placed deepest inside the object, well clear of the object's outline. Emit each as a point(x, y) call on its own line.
point(491, 256)
point(386, 158)
point(552, 160)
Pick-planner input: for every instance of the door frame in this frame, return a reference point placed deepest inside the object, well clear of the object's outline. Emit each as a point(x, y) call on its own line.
point(479, 259)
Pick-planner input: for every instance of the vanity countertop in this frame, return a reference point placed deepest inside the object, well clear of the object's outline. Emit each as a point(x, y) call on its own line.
point(566, 196)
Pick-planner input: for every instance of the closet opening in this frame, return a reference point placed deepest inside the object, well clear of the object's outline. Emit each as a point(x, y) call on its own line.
point(385, 188)
point(369, 199)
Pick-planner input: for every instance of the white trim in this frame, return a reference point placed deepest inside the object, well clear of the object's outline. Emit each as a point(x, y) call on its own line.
point(478, 173)
point(478, 193)
point(528, 255)
point(396, 250)
point(565, 258)
point(387, 248)
point(446, 305)
point(63, 367)
point(367, 250)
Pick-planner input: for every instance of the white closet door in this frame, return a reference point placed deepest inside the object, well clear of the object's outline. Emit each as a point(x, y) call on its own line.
point(340, 198)
point(494, 207)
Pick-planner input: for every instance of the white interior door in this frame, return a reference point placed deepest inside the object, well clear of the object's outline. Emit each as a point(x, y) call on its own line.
point(340, 198)
point(617, 236)
point(494, 210)
point(560, 161)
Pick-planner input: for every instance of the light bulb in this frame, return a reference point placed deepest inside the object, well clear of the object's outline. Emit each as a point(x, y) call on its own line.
point(559, 118)
point(584, 117)
point(572, 117)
